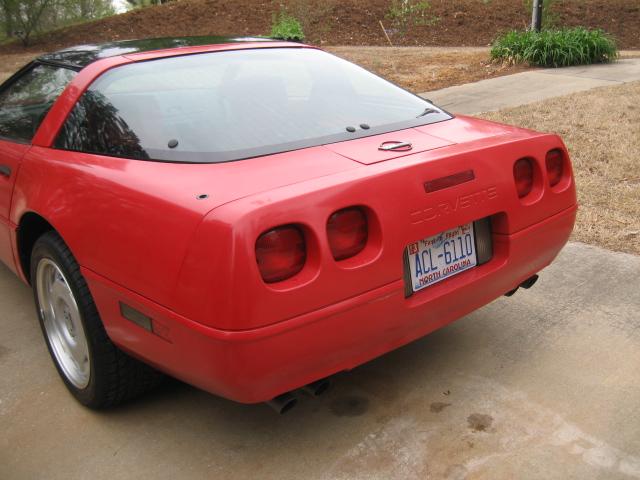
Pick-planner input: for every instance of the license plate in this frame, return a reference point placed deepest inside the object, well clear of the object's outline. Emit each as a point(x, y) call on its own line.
point(433, 259)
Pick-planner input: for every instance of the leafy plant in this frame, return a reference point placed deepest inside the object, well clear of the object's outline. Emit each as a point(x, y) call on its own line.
point(408, 13)
point(286, 27)
point(555, 48)
point(314, 15)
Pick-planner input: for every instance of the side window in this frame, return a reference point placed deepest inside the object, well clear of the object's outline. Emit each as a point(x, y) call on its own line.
point(26, 101)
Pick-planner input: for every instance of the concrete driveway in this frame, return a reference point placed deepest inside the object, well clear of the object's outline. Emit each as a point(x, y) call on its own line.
point(532, 86)
point(545, 384)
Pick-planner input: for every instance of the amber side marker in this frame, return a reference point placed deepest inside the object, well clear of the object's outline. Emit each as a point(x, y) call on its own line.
point(448, 181)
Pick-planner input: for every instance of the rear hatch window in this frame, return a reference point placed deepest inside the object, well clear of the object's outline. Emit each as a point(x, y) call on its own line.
point(232, 105)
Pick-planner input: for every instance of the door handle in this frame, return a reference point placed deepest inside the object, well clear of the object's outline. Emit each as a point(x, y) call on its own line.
point(5, 171)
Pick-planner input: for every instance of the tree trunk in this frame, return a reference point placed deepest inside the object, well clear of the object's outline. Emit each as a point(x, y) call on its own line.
point(8, 18)
point(84, 9)
point(536, 16)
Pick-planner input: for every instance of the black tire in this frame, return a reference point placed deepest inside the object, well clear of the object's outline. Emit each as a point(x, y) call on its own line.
point(114, 376)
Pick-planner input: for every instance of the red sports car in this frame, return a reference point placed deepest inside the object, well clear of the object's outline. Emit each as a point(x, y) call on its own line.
point(253, 216)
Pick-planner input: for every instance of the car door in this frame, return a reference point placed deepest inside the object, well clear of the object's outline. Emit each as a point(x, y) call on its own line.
point(25, 100)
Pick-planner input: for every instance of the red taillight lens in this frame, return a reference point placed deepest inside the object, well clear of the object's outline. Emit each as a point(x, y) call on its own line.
point(347, 231)
point(281, 253)
point(523, 176)
point(555, 166)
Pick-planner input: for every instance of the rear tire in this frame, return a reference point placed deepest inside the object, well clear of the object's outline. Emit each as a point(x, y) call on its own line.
point(95, 371)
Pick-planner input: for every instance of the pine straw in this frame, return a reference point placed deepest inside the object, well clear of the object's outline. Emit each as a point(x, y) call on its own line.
point(601, 129)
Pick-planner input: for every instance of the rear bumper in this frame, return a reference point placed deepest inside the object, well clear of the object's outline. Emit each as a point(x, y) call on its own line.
point(256, 365)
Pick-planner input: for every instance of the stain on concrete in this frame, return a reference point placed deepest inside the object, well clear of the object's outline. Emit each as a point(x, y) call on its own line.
point(437, 407)
point(382, 419)
point(394, 450)
point(479, 422)
point(3, 351)
point(351, 406)
point(456, 472)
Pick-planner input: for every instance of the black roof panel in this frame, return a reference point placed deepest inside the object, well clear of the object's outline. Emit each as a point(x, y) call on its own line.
point(80, 56)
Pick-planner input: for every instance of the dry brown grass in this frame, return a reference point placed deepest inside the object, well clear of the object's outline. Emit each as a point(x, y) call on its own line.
point(601, 129)
point(629, 53)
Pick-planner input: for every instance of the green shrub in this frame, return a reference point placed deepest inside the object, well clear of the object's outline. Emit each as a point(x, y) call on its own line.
point(408, 13)
point(555, 48)
point(286, 27)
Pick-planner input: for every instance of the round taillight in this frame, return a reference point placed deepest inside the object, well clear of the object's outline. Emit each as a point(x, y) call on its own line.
point(281, 253)
point(555, 166)
point(523, 176)
point(347, 232)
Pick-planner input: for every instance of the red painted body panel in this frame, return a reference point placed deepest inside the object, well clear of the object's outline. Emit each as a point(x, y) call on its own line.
point(141, 216)
point(256, 365)
point(143, 238)
point(401, 213)
point(10, 156)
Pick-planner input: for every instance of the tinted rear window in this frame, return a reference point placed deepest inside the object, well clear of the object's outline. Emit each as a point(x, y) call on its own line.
point(231, 105)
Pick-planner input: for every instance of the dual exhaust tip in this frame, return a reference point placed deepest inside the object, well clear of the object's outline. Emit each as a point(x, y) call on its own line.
point(285, 402)
point(528, 283)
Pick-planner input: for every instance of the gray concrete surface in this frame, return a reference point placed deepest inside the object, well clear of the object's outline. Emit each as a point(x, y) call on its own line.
point(545, 384)
point(532, 86)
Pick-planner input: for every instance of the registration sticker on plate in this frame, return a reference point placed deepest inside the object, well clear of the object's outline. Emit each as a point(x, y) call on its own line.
point(435, 258)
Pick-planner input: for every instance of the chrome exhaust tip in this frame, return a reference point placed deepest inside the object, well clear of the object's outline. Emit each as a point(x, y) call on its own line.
point(283, 403)
point(527, 284)
point(511, 292)
point(317, 388)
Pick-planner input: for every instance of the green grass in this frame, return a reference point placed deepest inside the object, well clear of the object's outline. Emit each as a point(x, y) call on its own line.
point(555, 48)
point(286, 27)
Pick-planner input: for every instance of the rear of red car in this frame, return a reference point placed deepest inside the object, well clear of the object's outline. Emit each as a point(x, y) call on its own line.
point(284, 287)
point(251, 220)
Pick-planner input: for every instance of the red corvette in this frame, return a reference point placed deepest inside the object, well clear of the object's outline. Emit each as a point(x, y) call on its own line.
point(253, 216)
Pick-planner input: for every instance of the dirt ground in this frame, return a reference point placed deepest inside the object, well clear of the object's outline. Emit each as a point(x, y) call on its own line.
point(601, 129)
point(348, 22)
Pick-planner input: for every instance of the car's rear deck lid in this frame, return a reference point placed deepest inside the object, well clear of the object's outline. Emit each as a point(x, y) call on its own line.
point(378, 148)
